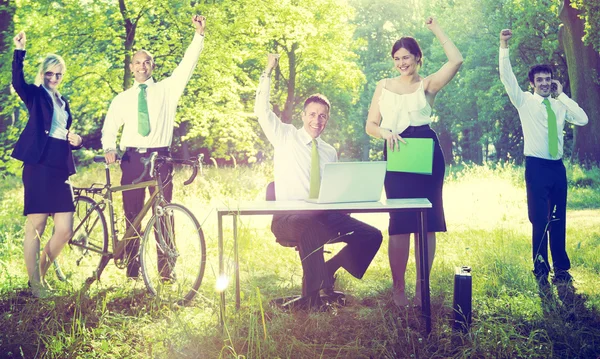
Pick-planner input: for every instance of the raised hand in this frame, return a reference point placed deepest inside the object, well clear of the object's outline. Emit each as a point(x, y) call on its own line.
point(199, 22)
point(272, 60)
point(505, 34)
point(431, 23)
point(20, 40)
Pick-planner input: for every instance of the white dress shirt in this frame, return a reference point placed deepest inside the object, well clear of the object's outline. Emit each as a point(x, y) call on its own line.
point(58, 129)
point(162, 98)
point(292, 158)
point(533, 114)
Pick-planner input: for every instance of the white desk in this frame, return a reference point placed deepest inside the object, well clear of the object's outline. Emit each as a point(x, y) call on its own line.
point(419, 205)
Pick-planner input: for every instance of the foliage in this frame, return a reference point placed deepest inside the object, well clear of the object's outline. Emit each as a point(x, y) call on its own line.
point(488, 230)
point(590, 9)
point(336, 47)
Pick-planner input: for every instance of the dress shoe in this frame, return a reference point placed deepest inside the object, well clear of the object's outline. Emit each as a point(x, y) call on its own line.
point(330, 295)
point(310, 302)
point(562, 277)
point(134, 278)
point(170, 278)
point(544, 289)
point(278, 302)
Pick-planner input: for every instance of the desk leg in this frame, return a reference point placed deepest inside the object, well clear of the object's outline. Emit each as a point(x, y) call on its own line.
point(236, 260)
point(424, 250)
point(221, 267)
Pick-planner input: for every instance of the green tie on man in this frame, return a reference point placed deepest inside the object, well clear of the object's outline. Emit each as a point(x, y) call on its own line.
point(143, 117)
point(552, 131)
point(128, 114)
point(315, 171)
point(543, 119)
point(296, 171)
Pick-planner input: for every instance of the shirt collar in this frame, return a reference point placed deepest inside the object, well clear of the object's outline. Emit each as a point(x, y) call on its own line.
point(148, 82)
point(305, 137)
point(539, 98)
point(50, 92)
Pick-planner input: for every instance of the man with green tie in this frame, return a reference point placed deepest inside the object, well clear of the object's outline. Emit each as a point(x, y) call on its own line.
point(146, 111)
point(299, 157)
point(543, 119)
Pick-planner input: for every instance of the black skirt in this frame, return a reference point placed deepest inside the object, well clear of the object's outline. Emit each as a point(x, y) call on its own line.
point(412, 185)
point(46, 184)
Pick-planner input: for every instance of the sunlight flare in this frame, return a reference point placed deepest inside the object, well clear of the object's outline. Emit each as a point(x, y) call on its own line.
point(222, 283)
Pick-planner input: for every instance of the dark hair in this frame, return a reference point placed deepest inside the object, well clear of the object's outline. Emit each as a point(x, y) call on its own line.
point(318, 98)
point(536, 69)
point(410, 44)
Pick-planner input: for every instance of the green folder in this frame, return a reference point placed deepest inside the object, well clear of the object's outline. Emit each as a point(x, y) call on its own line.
point(416, 156)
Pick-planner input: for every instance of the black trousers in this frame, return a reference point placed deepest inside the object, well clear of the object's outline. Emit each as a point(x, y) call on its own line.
point(312, 232)
point(546, 182)
point(133, 201)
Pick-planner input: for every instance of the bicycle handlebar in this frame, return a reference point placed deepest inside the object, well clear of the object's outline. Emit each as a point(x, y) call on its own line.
point(146, 161)
point(194, 162)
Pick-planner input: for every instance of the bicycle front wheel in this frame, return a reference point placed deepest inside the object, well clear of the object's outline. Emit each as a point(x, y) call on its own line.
point(173, 254)
point(82, 259)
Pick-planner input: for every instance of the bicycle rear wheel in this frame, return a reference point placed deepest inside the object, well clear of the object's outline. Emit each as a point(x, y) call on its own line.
point(82, 260)
point(173, 254)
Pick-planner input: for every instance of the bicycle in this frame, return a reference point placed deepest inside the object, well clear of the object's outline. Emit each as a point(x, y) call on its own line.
point(172, 251)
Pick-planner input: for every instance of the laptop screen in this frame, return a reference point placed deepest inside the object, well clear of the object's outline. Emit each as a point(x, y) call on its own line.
point(352, 182)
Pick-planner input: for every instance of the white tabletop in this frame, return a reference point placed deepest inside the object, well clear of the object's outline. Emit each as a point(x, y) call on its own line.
point(273, 207)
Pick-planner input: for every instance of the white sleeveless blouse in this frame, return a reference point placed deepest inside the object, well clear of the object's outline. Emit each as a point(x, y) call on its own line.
point(400, 111)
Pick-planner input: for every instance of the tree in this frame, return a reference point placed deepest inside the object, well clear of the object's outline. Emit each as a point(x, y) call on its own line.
point(378, 25)
point(584, 66)
point(7, 132)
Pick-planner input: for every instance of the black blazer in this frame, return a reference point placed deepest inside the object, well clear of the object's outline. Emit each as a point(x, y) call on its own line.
point(32, 141)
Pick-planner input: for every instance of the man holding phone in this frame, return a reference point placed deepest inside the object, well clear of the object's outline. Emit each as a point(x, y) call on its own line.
point(543, 119)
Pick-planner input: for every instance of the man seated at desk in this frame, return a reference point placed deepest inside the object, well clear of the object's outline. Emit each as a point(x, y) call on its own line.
point(296, 152)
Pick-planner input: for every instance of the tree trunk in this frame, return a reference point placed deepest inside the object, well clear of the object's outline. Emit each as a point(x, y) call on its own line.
point(288, 110)
point(130, 28)
point(446, 144)
point(8, 112)
point(7, 28)
point(583, 67)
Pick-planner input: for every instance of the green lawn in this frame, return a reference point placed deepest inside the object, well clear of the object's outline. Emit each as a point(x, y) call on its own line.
point(487, 230)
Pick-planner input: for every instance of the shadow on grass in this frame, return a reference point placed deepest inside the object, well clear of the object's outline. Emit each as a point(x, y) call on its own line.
point(28, 323)
point(572, 327)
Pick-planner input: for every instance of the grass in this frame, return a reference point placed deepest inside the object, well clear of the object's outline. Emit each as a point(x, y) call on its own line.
point(487, 230)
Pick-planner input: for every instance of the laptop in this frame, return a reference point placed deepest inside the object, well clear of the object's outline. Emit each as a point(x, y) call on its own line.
point(343, 182)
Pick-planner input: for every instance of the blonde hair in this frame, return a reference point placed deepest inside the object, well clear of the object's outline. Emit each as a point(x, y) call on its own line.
point(51, 60)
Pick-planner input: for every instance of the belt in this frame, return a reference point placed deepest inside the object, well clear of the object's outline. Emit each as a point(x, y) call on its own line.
point(146, 149)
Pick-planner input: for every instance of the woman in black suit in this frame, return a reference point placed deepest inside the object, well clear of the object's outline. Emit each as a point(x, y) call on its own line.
point(45, 147)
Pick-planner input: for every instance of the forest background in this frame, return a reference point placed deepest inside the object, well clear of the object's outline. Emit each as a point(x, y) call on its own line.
point(340, 48)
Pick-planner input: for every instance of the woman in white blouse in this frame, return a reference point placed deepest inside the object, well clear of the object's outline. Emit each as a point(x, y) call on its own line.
point(401, 107)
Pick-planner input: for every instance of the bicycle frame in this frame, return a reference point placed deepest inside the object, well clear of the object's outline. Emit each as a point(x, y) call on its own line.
point(107, 191)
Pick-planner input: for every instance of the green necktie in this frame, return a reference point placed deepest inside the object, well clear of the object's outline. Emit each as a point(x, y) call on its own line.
point(315, 172)
point(143, 118)
point(552, 130)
